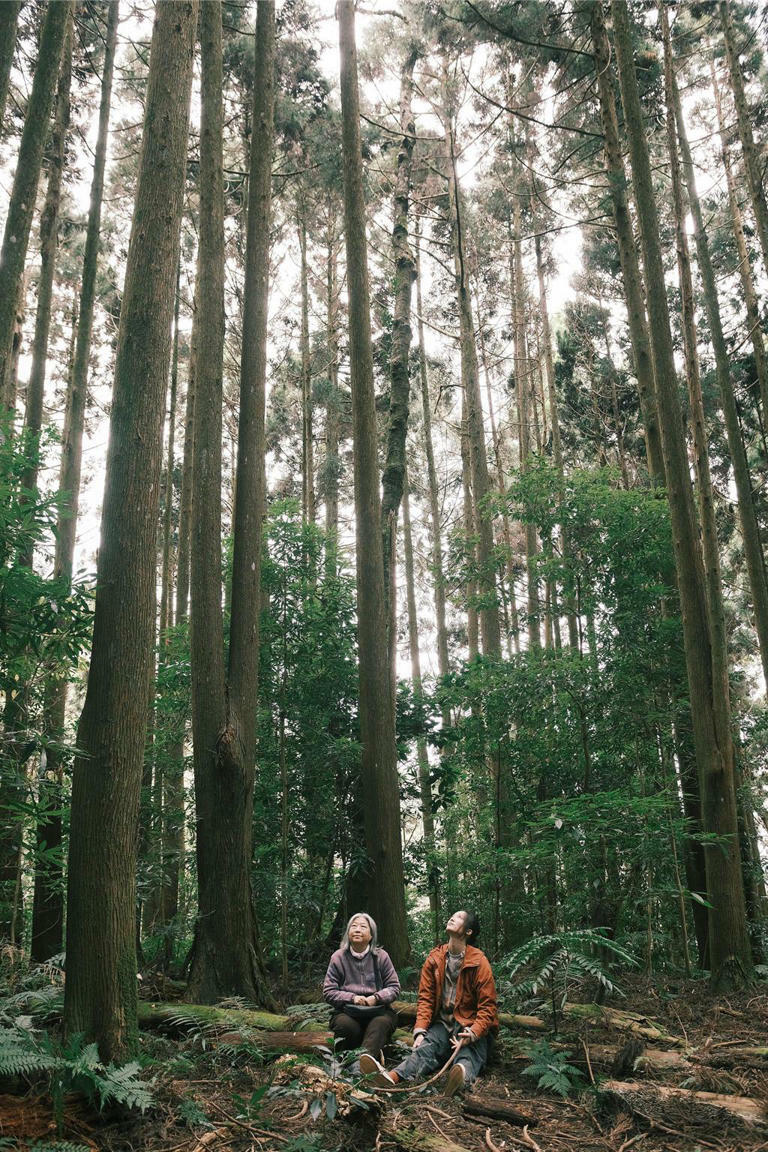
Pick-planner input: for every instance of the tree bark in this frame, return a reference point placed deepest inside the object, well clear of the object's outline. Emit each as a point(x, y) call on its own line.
point(434, 503)
point(751, 302)
point(381, 801)
point(9, 18)
point(752, 162)
point(21, 206)
point(48, 908)
point(393, 479)
point(730, 958)
point(750, 531)
point(425, 784)
point(100, 996)
point(227, 959)
point(634, 289)
point(522, 371)
point(307, 450)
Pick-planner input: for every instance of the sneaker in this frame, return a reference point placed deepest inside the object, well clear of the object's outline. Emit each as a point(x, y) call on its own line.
point(370, 1066)
point(457, 1079)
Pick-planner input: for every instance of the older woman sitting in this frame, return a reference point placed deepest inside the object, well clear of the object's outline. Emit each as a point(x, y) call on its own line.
point(360, 985)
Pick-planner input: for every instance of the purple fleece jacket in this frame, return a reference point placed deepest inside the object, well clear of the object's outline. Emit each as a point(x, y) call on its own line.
point(348, 977)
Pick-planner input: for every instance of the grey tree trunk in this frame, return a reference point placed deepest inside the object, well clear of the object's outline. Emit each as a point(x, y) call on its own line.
point(730, 958)
point(307, 452)
point(425, 785)
point(750, 531)
point(9, 18)
point(751, 302)
point(752, 162)
point(21, 206)
point(634, 289)
point(227, 959)
point(381, 800)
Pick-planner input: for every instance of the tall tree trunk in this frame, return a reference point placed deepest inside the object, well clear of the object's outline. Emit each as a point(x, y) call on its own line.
point(49, 237)
point(523, 398)
point(227, 959)
point(381, 800)
point(9, 17)
point(21, 206)
point(469, 516)
point(393, 478)
point(307, 445)
point(752, 161)
point(634, 289)
point(470, 380)
point(48, 909)
point(332, 413)
point(48, 799)
point(425, 784)
point(730, 958)
point(750, 532)
point(751, 303)
point(100, 997)
point(434, 503)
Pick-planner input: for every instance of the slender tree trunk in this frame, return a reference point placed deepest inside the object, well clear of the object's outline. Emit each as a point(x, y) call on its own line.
point(307, 445)
point(752, 161)
point(48, 899)
point(425, 785)
point(331, 479)
point(434, 503)
point(523, 395)
point(9, 17)
point(730, 958)
point(100, 995)
point(745, 269)
point(488, 610)
point(21, 206)
point(49, 237)
point(634, 289)
point(48, 911)
point(470, 535)
point(393, 478)
point(514, 623)
point(750, 531)
point(17, 701)
point(381, 801)
point(227, 959)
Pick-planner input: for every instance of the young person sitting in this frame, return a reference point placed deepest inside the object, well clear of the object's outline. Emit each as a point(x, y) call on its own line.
point(360, 985)
point(456, 1010)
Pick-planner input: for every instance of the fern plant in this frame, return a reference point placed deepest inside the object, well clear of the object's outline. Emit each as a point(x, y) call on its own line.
point(71, 1067)
point(561, 962)
point(552, 1070)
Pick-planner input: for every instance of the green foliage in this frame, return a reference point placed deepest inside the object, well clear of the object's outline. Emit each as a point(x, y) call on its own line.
point(72, 1066)
point(191, 1114)
point(562, 962)
point(551, 1069)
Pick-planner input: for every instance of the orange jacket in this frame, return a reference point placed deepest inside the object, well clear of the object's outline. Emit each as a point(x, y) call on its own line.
point(475, 1005)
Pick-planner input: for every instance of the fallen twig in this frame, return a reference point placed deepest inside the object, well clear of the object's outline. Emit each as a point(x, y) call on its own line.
point(530, 1140)
point(489, 1142)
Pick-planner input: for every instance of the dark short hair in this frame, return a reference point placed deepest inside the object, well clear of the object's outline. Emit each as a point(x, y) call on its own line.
point(472, 926)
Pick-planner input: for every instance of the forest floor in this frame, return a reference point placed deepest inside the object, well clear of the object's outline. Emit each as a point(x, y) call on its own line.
point(214, 1089)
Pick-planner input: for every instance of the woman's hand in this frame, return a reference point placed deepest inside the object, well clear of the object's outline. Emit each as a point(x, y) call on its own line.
point(466, 1036)
point(365, 1001)
point(418, 1040)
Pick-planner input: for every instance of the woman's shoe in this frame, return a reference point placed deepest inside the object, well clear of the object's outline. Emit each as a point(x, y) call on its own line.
point(456, 1082)
point(370, 1066)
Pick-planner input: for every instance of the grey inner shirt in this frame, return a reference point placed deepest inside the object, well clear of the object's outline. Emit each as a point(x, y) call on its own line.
point(452, 968)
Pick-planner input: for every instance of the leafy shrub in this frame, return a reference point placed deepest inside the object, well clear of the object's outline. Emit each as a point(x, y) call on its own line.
point(552, 1070)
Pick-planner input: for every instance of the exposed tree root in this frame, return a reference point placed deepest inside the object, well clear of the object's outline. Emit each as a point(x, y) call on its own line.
point(679, 1107)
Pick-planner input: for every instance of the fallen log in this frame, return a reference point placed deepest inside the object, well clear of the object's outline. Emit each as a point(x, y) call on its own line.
point(497, 1110)
point(682, 1108)
point(631, 1022)
point(188, 1016)
point(406, 1013)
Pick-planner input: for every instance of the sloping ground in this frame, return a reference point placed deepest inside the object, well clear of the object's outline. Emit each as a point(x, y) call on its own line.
point(703, 1083)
